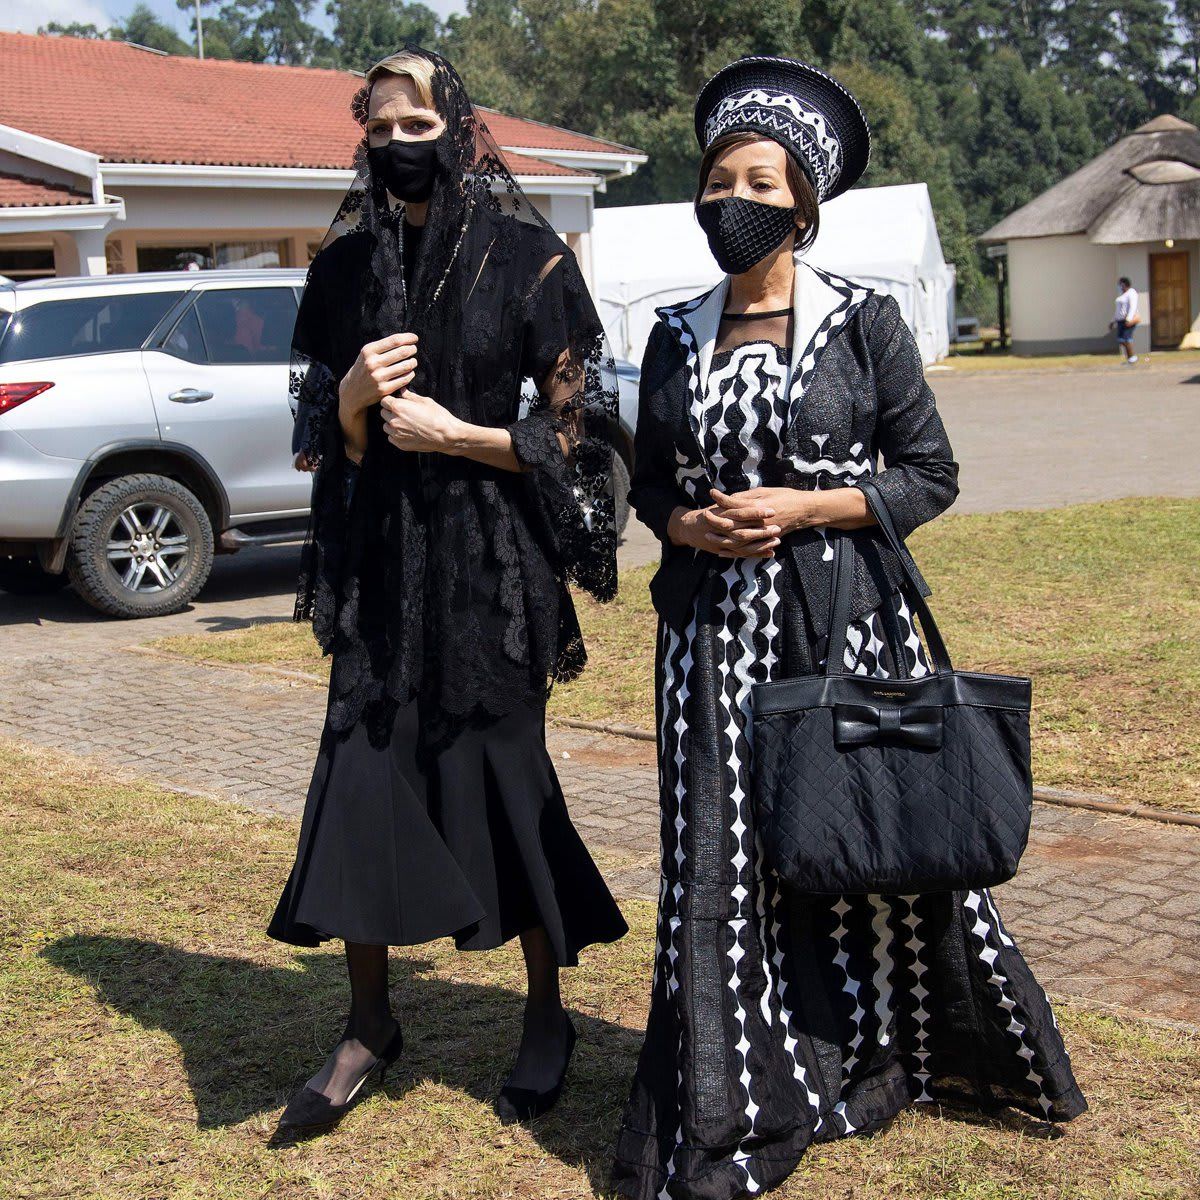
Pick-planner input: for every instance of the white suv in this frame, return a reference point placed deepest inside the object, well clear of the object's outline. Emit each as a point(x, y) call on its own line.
point(144, 425)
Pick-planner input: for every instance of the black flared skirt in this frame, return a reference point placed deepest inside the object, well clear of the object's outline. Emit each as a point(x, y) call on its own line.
point(399, 847)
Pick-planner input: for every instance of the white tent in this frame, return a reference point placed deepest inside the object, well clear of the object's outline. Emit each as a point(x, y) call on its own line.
point(649, 255)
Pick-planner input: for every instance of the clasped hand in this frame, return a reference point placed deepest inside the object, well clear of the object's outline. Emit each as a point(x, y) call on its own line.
point(381, 375)
point(749, 524)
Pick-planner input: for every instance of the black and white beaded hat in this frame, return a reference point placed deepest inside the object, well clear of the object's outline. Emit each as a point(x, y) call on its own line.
point(808, 112)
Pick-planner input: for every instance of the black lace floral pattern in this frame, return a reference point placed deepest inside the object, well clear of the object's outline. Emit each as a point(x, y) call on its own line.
point(431, 576)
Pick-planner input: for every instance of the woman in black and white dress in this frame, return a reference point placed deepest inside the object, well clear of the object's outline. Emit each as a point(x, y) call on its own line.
point(778, 1019)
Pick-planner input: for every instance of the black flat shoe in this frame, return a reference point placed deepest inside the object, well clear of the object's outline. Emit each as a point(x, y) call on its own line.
point(516, 1104)
point(309, 1109)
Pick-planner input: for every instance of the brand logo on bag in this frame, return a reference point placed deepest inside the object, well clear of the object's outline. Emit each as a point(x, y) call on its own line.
point(878, 693)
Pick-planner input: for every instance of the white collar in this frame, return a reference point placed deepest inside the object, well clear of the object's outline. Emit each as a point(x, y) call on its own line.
point(816, 296)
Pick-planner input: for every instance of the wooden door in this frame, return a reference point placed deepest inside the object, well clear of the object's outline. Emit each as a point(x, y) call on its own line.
point(1170, 298)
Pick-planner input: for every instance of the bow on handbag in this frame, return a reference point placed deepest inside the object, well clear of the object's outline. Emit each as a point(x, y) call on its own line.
point(867, 724)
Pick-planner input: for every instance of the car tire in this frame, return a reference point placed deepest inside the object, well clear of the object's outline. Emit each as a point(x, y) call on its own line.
point(27, 577)
point(620, 474)
point(149, 515)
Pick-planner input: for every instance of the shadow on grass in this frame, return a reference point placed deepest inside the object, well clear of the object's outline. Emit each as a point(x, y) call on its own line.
point(250, 1034)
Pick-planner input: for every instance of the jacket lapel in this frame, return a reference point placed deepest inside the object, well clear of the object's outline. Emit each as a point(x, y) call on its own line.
point(813, 300)
point(695, 323)
point(821, 304)
point(704, 321)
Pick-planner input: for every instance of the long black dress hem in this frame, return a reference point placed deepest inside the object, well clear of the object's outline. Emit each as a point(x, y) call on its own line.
point(399, 847)
point(640, 1177)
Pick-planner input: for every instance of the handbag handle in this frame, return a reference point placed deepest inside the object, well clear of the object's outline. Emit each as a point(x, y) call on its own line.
point(843, 579)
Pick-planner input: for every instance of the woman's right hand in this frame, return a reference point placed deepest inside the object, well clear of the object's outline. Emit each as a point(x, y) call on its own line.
point(709, 530)
point(381, 369)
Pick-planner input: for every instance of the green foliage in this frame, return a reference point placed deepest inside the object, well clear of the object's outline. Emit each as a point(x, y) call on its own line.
point(262, 31)
point(364, 31)
point(141, 27)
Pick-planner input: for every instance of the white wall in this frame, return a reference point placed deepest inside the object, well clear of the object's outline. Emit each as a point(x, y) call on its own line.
point(1061, 292)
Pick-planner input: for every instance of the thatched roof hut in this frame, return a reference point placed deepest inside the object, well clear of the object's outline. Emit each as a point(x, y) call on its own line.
point(1146, 187)
point(1132, 212)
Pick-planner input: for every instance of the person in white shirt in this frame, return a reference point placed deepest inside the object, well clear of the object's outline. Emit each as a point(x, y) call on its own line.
point(1125, 317)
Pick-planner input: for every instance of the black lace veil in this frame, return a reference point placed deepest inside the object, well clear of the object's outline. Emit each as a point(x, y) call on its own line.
point(429, 576)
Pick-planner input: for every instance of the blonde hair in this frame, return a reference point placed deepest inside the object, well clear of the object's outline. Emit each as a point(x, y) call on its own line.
point(404, 63)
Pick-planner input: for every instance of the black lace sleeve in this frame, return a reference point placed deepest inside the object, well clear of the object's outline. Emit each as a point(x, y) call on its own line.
point(313, 396)
point(310, 385)
point(564, 442)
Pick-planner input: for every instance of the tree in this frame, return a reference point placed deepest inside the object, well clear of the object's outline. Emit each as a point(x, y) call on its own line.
point(263, 31)
point(364, 31)
point(141, 27)
point(74, 29)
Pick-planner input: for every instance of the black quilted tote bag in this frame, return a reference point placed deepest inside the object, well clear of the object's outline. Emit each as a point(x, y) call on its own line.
point(899, 786)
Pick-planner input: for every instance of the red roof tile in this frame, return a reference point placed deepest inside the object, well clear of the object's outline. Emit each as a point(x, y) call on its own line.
point(527, 164)
point(18, 191)
point(536, 135)
point(130, 105)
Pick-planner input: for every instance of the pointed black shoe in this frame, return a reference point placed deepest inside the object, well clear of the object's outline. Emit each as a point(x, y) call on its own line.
point(310, 1110)
point(516, 1104)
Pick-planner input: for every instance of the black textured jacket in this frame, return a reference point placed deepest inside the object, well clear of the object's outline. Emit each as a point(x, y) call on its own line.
point(858, 395)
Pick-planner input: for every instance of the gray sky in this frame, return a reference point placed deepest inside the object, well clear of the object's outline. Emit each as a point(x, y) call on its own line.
point(24, 16)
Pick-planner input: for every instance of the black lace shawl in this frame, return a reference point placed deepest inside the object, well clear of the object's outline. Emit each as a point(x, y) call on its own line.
point(435, 577)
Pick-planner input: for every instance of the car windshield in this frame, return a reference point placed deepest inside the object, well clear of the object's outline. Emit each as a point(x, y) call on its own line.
point(92, 325)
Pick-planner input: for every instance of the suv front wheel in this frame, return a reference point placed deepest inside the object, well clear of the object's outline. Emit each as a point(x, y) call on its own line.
point(141, 546)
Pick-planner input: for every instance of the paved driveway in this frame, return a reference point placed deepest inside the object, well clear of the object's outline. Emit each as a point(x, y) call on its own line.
point(1027, 438)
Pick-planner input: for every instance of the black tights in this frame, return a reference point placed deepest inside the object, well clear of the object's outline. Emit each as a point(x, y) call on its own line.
point(371, 1024)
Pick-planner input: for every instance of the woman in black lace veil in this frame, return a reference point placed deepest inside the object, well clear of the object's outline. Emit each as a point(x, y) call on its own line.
point(445, 530)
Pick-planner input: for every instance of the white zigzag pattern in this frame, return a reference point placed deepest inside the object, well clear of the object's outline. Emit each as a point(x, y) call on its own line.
point(675, 683)
point(919, 994)
point(974, 903)
point(784, 113)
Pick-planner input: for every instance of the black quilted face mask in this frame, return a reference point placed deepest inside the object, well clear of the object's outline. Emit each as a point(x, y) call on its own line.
point(743, 232)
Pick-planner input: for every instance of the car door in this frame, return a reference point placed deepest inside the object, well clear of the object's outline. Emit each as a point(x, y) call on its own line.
point(219, 380)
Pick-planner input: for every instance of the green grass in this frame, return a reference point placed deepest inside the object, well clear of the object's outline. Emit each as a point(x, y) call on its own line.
point(1099, 603)
point(150, 1033)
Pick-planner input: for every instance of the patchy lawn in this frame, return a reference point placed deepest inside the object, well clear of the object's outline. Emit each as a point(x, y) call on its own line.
point(1099, 603)
point(150, 1033)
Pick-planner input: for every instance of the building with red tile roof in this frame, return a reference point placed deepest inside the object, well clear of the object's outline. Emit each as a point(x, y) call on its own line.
point(116, 157)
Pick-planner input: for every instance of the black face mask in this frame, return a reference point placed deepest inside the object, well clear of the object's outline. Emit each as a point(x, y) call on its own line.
point(406, 169)
point(742, 232)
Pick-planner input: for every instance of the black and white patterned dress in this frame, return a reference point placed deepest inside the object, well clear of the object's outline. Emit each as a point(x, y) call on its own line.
point(779, 1019)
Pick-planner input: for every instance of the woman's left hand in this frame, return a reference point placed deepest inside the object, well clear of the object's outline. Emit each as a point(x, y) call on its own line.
point(792, 508)
point(416, 422)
